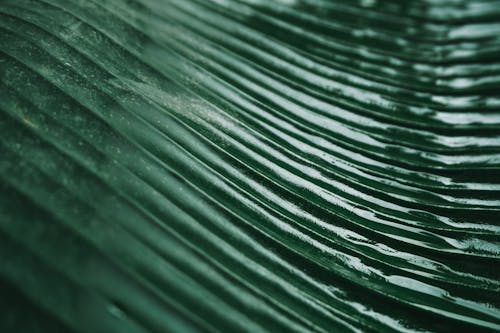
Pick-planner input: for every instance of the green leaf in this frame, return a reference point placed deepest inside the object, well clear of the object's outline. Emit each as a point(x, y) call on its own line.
point(249, 165)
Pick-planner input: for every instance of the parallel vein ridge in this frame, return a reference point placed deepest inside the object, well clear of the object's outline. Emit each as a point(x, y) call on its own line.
point(249, 166)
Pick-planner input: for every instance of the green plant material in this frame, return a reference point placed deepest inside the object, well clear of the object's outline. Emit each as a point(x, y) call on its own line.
point(237, 165)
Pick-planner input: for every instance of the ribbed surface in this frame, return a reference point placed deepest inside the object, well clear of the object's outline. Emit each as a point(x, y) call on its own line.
point(281, 166)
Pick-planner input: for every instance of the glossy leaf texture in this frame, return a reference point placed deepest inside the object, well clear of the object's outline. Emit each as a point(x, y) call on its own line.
point(249, 166)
